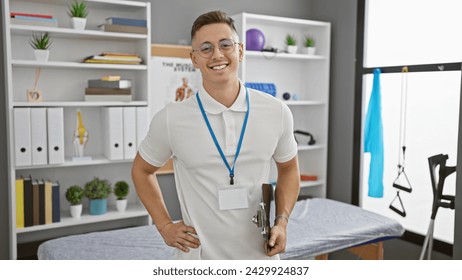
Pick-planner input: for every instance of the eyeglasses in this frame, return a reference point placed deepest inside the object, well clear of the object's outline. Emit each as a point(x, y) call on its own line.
point(226, 46)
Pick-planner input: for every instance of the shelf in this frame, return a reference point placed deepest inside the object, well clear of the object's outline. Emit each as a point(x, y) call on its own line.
point(59, 32)
point(133, 210)
point(303, 103)
point(310, 147)
point(97, 160)
point(80, 104)
point(60, 64)
point(310, 184)
point(95, 3)
point(286, 56)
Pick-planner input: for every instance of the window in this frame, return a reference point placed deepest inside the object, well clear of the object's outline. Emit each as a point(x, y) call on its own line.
point(423, 35)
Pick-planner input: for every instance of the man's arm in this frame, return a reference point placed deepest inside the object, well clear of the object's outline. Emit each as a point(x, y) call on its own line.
point(176, 235)
point(287, 190)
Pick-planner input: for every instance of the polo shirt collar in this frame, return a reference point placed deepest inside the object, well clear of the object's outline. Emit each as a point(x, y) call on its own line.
point(214, 107)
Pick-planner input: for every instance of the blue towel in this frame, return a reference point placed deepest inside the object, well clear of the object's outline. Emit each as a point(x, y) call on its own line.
point(373, 139)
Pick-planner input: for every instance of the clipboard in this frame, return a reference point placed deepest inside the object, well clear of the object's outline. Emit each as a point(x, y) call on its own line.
point(262, 218)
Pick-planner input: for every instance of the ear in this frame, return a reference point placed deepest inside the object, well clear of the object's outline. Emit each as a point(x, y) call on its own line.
point(193, 60)
point(241, 52)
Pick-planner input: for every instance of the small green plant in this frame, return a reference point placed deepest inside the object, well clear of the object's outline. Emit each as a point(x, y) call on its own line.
point(74, 195)
point(290, 40)
point(41, 41)
point(78, 9)
point(309, 41)
point(97, 189)
point(121, 189)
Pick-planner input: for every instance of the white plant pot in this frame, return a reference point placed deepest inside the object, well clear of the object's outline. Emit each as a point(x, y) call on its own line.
point(79, 23)
point(76, 211)
point(121, 205)
point(41, 55)
point(292, 49)
point(309, 50)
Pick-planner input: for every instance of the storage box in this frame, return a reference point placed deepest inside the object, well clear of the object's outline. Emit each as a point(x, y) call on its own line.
point(170, 50)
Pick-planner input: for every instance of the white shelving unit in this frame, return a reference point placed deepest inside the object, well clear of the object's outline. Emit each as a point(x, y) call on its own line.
point(304, 75)
point(62, 81)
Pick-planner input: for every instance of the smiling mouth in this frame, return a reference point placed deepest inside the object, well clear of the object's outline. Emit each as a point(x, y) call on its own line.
point(219, 67)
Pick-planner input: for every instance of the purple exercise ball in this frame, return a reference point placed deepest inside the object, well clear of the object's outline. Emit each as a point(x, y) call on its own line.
point(255, 40)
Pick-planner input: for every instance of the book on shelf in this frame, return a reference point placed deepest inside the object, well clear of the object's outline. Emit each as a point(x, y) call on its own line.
point(41, 206)
point(118, 58)
point(126, 21)
point(55, 203)
point(23, 21)
point(109, 84)
point(20, 203)
point(111, 78)
point(107, 91)
point(108, 97)
point(123, 28)
point(28, 208)
point(35, 203)
point(15, 14)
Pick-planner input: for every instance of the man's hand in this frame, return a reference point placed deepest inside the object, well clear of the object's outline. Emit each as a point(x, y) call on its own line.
point(277, 242)
point(180, 236)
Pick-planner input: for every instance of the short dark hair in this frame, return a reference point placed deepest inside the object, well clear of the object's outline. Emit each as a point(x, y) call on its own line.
point(210, 18)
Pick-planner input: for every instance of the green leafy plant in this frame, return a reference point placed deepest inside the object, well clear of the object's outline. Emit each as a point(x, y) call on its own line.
point(74, 195)
point(97, 189)
point(41, 41)
point(121, 189)
point(78, 9)
point(309, 41)
point(290, 40)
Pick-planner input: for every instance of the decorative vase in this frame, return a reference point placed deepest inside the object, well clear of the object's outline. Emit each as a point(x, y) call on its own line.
point(292, 49)
point(41, 55)
point(309, 50)
point(79, 23)
point(98, 206)
point(76, 211)
point(121, 205)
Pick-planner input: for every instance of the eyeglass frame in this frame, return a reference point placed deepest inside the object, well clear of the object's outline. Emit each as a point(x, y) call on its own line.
point(213, 48)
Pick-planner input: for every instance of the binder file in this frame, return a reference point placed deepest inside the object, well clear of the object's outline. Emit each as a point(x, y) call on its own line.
point(129, 129)
point(39, 136)
point(22, 137)
point(112, 120)
point(55, 125)
point(142, 124)
point(55, 203)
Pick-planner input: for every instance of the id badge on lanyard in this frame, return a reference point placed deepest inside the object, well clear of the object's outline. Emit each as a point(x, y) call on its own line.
point(232, 197)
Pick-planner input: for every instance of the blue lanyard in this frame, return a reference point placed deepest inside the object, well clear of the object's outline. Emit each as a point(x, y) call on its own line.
point(244, 125)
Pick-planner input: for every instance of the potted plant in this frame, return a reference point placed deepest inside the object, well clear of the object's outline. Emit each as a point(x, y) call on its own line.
point(97, 191)
point(291, 43)
point(74, 195)
point(78, 12)
point(309, 47)
point(41, 43)
point(121, 190)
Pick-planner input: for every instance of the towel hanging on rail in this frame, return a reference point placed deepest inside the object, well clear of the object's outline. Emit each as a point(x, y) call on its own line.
point(373, 139)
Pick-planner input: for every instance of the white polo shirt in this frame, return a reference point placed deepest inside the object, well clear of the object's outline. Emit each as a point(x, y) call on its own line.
point(179, 131)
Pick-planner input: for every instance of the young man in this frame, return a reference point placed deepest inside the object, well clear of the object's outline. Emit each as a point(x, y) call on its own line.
point(222, 141)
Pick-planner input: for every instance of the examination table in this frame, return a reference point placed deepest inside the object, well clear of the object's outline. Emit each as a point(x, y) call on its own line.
point(316, 228)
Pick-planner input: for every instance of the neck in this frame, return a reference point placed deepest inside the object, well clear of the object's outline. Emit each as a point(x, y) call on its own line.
point(225, 93)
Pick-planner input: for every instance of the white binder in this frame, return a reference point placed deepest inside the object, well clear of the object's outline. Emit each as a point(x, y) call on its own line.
point(112, 120)
point(142, 124)
point(39, 136)
point(22, 137)
point(129, 128)
point(55, 125)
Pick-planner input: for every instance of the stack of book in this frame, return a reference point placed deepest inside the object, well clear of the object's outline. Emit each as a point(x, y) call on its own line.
point(127, 25)
point(37, 202)
point(114, 58)
point(107, 90)
point(33, 19)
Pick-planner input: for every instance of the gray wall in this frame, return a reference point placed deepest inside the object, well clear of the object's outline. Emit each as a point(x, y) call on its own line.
point(342, 15)
point(172, 19)
point(4, 210)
